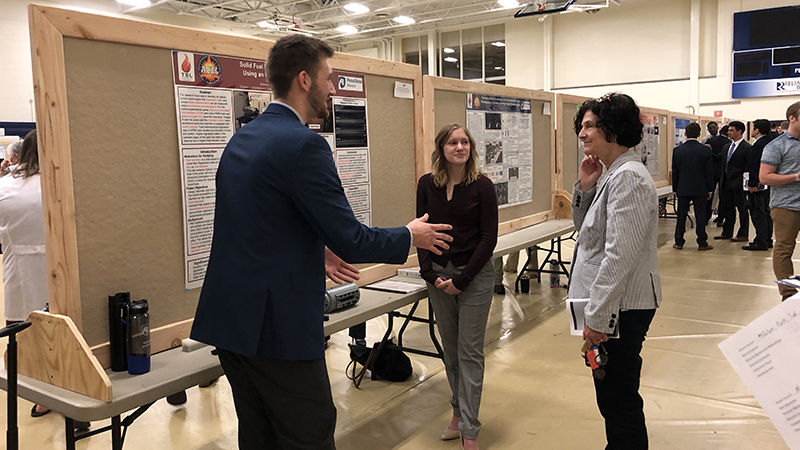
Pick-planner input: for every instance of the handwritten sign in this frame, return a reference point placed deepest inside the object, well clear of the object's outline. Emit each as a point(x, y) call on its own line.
point(766, 356)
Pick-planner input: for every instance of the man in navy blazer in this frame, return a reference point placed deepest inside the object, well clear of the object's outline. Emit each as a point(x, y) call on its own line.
point(692, 182)
point(281, 219)
point(732, 185)
point(758, 194)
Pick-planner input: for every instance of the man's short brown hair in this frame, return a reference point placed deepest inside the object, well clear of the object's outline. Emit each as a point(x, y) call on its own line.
point(793, 110)
point(292, 55)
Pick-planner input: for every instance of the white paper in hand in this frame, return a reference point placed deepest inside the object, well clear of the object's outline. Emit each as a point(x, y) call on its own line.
point(575, 308)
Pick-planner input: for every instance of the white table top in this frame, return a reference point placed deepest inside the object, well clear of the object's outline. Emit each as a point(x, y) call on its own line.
point(173, 370)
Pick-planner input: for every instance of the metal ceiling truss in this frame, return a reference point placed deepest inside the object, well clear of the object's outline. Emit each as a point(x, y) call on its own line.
point(321, 17)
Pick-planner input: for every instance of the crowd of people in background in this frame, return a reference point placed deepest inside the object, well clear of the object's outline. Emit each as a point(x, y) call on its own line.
point(757, 180)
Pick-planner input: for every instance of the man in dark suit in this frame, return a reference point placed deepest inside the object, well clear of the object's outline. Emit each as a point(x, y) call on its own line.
point(758, 194)
point(692, 182)
point(281, 219)
point(716, 142)
point(732, 185)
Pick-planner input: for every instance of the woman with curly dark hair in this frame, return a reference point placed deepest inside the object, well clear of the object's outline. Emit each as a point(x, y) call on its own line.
point(615, 265)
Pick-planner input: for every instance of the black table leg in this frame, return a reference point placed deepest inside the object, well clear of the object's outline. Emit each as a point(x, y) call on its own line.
point(69, 433)
point(116, 433)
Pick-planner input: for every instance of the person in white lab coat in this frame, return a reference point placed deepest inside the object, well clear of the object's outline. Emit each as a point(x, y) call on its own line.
point(22, 238)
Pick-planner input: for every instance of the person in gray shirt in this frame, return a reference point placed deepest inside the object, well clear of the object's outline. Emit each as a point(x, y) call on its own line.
point(780, 168)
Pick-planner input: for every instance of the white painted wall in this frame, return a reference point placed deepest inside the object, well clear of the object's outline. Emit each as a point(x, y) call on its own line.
point(643, 49)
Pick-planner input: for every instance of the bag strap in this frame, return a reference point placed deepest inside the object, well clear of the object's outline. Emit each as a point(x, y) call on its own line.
point(358, 377)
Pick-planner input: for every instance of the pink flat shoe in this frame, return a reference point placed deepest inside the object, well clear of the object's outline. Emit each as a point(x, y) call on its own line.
point(448, 434)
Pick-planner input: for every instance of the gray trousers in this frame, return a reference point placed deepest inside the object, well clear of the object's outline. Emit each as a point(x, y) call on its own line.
point(462, 326)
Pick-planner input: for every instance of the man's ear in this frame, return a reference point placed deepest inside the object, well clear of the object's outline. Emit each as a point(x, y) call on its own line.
point(304, 80)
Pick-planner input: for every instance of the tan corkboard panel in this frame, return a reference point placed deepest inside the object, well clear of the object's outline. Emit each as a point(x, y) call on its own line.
point(127, 185)
point(450, 108)
point(390, 122)
point(569, 166)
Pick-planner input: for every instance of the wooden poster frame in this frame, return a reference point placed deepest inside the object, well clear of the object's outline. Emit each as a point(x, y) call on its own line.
point(49, 26)
point(432, 84)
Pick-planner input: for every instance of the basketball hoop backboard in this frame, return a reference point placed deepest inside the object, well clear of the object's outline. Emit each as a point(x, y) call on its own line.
point(559, 6)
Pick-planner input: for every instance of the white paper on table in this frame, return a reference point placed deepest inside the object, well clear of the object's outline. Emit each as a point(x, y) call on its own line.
point(766, 356)
point(575, 308)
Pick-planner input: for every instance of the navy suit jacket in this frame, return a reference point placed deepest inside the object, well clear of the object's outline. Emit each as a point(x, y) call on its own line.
point(717, 142)
point(735, 167)
point(279, 201)
point(754, 158)
point(692, 169)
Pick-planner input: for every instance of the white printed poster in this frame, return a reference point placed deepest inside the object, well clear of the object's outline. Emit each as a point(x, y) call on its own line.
point(766, 356)
point(346, 133)
point(648, 148)
point(214, 97)
point(503, 131)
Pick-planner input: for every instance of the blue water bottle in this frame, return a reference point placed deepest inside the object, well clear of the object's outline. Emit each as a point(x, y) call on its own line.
point(138, 338)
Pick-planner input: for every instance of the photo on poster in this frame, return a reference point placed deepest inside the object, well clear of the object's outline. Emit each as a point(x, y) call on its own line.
point(350, 122)
point(494, 121)
point(494, 152)
point(502, 192)
point(247, 105)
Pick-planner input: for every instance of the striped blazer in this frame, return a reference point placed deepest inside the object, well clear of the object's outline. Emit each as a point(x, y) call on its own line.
point(615, 263)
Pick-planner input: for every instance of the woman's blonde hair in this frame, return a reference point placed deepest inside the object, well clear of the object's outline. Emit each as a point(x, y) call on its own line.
point(472, 169)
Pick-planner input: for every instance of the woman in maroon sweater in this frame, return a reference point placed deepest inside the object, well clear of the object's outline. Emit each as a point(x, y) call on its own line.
point(460, 280)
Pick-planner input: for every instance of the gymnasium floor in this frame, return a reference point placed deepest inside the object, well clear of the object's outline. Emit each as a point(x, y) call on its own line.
point(537, 391)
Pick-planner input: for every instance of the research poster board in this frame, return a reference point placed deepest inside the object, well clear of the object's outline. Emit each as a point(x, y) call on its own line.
point(215, 95)
point(445, 104)
point(347, 133)
point(680, 130)
point(113, 191)
point(648, 149)
point(502, 129)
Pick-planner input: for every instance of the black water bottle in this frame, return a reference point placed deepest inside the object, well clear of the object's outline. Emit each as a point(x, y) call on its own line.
point(138, 338)
point(117, 332)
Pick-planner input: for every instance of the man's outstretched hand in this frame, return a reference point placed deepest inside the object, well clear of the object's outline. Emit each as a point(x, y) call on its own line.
point(429, 235)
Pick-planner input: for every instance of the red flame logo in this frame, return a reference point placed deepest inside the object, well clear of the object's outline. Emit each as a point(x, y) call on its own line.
point(185, 66)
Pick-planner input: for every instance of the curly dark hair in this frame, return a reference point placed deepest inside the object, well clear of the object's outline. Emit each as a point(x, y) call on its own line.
point(292, 55)
point(618, 117)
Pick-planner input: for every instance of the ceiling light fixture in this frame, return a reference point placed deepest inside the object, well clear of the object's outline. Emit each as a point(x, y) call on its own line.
point(508, 3)
point(499, 44)
point(135, 3)
point(347, 29)
point(356, 8)
point(451, 59)
point(448, 50)
point(404, 20)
